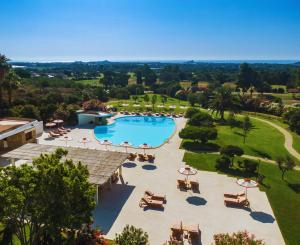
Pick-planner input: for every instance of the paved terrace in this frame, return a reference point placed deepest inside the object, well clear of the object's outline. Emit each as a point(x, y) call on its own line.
point(120, 206)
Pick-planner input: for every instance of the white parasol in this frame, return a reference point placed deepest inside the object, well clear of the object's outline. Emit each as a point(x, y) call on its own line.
point(144, 147)
point(247, 183)
point(187, 171)
point(126, 144)
point(84, 141)
point(172, 106)
point(66, 139)
point(106, 143)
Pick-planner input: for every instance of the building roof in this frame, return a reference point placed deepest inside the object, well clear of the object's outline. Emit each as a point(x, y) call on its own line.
point(101, 164)
point(11, 123)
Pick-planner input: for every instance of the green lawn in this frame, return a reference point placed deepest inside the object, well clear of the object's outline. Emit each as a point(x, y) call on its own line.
point(279, 122)
point(92, 82)
point(284, 200)
point(262, 141)
point(142, 103)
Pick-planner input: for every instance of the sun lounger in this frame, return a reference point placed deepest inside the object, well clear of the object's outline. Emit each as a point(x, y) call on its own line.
point(62, 131)
point(240, 201)
point(151, 158)
point(194, 186)
point(181, 184)
point(52, 134)
point(57, 132)
point(65, 129)
point(194, 233)
point(132, 156)
point(234, 195)
point(177, 234)
point(145, 202)
point(153, 196)
point(142, 157)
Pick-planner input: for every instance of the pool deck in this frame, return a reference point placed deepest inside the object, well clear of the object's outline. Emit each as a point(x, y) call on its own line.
point(119, 206)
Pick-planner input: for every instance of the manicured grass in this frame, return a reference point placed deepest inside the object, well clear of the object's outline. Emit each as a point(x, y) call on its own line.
point(279, 121)
point(92, 82)
point(284, 200)
point(142, 103)
point(262, 141)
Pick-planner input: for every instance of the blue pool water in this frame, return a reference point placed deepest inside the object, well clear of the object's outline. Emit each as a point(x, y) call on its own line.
point(137, 130)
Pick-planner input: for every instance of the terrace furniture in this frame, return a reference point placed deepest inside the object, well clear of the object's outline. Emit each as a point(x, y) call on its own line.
point(194, 186)
point(132, 156)
point(151, 158)
point(142, 157)
point(146, 202)
point(65, 129)
point(240, 201)
point(121, 112)
point(157, 114)
point(54, 135)
point(176, 236)
point(149, 194)
point(62, 131)
point(57, 132)
point(181, 184)
point(194, 234)
point(234, 195)
point(115, 178)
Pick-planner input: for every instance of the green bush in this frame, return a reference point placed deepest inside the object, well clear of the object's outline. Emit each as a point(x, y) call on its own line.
point(238, 238)
point(132, 236)
point(201, 119)
point(202, 134)
point(190, 112)
point(223, 162)
point(250, 165)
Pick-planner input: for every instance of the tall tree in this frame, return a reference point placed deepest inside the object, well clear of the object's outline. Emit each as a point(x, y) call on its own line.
point(285, 164)
point(153, 100)
point(4, 68)
point(42, 200)
point(139, 79)
point(224, 100)
point(11, 82)
point(247, 77)
point(246, 126)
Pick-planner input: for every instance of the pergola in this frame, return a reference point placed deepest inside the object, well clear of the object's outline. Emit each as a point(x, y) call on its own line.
point(101, 164)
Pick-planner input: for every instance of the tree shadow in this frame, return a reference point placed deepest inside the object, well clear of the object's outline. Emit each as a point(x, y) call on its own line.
point(197, 201)
point(238, 172)
point(129, 165)
point(260, 153)
point(262, 217)
point(295, 187)
point(149, 167)
point(239, 134)
point(199, 147)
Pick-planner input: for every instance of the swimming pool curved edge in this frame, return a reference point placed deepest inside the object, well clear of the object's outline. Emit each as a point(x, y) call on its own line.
point(162, 128)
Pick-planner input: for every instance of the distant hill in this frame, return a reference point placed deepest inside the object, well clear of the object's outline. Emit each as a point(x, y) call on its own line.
point(297, 63)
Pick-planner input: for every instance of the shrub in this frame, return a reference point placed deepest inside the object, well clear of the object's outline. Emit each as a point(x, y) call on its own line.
point(132, 236)
point(223, 162)
point(292, 117)
point(250, 165)
point(231, 151)
point(238, 238)
point(201, 119)
point(190, 112)
point(202, 134)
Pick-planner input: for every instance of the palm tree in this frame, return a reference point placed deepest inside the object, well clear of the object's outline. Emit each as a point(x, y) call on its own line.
point(4, 68)
point(224, 100)
point(11, 82)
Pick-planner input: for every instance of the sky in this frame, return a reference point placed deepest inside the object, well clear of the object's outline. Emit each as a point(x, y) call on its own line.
point(90, 30)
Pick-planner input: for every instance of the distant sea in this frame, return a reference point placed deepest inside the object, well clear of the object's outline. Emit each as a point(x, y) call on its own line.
point(178, 61)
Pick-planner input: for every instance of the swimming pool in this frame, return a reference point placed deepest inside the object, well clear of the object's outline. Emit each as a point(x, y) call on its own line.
point(137, 130)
